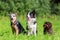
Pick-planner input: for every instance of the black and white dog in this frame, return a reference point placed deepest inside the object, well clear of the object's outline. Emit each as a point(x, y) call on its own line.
point(15, 24)
point(31, 23)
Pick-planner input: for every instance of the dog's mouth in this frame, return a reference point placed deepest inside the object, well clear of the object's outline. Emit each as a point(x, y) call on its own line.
point(11, 18)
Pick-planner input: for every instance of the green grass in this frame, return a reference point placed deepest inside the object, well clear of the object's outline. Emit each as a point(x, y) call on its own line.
point(6, 33)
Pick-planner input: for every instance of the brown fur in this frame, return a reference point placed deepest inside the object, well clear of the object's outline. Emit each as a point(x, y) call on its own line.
point(47, 28)
point(15, 29)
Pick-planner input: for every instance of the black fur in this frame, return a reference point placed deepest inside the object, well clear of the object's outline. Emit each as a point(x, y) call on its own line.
point(20, 27)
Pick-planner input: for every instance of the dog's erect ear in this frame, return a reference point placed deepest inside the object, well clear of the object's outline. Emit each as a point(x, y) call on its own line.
point(9, 13)
point(33, 11)
point(15, 13)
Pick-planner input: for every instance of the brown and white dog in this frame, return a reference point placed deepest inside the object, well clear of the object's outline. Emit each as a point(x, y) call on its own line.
point(15, 24)
point(31, 23)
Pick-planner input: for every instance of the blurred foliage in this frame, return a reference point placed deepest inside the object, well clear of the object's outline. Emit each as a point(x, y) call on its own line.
point(42, 7)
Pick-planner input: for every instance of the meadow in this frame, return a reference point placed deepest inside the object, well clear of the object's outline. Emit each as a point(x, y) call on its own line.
point(6, 32)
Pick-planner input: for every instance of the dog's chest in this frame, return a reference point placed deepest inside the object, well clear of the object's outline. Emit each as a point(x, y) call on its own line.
point(15, 23)
point(33, 21)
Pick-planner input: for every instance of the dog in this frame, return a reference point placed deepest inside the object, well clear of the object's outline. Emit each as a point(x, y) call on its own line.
point(31, 23)
point(47, 28)
point(15, 24)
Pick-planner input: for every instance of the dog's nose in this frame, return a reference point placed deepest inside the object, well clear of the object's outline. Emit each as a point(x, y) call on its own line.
point(11, 18)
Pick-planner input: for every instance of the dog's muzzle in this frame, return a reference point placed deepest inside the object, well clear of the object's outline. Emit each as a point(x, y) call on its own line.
point(11, 18)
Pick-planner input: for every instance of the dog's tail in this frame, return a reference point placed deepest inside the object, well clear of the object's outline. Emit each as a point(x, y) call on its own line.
point(24, 31)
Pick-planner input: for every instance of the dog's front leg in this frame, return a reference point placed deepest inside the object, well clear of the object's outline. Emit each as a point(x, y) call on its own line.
point(17, 32)
point(50, 31)
point(31, 30)
point(13, 30)
point(34, 31)
point(28, 33)
point(16, 29)
point(45, 31)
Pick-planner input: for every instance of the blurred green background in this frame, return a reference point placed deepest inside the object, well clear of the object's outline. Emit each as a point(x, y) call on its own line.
point(42, 7)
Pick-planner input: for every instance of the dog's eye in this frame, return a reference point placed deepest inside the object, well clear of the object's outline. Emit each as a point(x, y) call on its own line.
point(13, 16)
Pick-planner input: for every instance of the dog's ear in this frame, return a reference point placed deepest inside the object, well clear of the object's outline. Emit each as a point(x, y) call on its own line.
point(33, 11)
point(15, 13)
point(9, 13)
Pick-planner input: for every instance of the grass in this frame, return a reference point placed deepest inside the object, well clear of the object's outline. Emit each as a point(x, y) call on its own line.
point(6, 33)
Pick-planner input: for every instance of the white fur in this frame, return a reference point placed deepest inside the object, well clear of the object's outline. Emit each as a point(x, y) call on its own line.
point(31, 25)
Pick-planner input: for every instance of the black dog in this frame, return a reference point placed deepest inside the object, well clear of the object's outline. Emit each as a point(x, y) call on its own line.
point(47, 28)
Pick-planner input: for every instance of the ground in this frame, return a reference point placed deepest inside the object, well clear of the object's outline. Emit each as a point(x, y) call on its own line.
point(6, 32)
